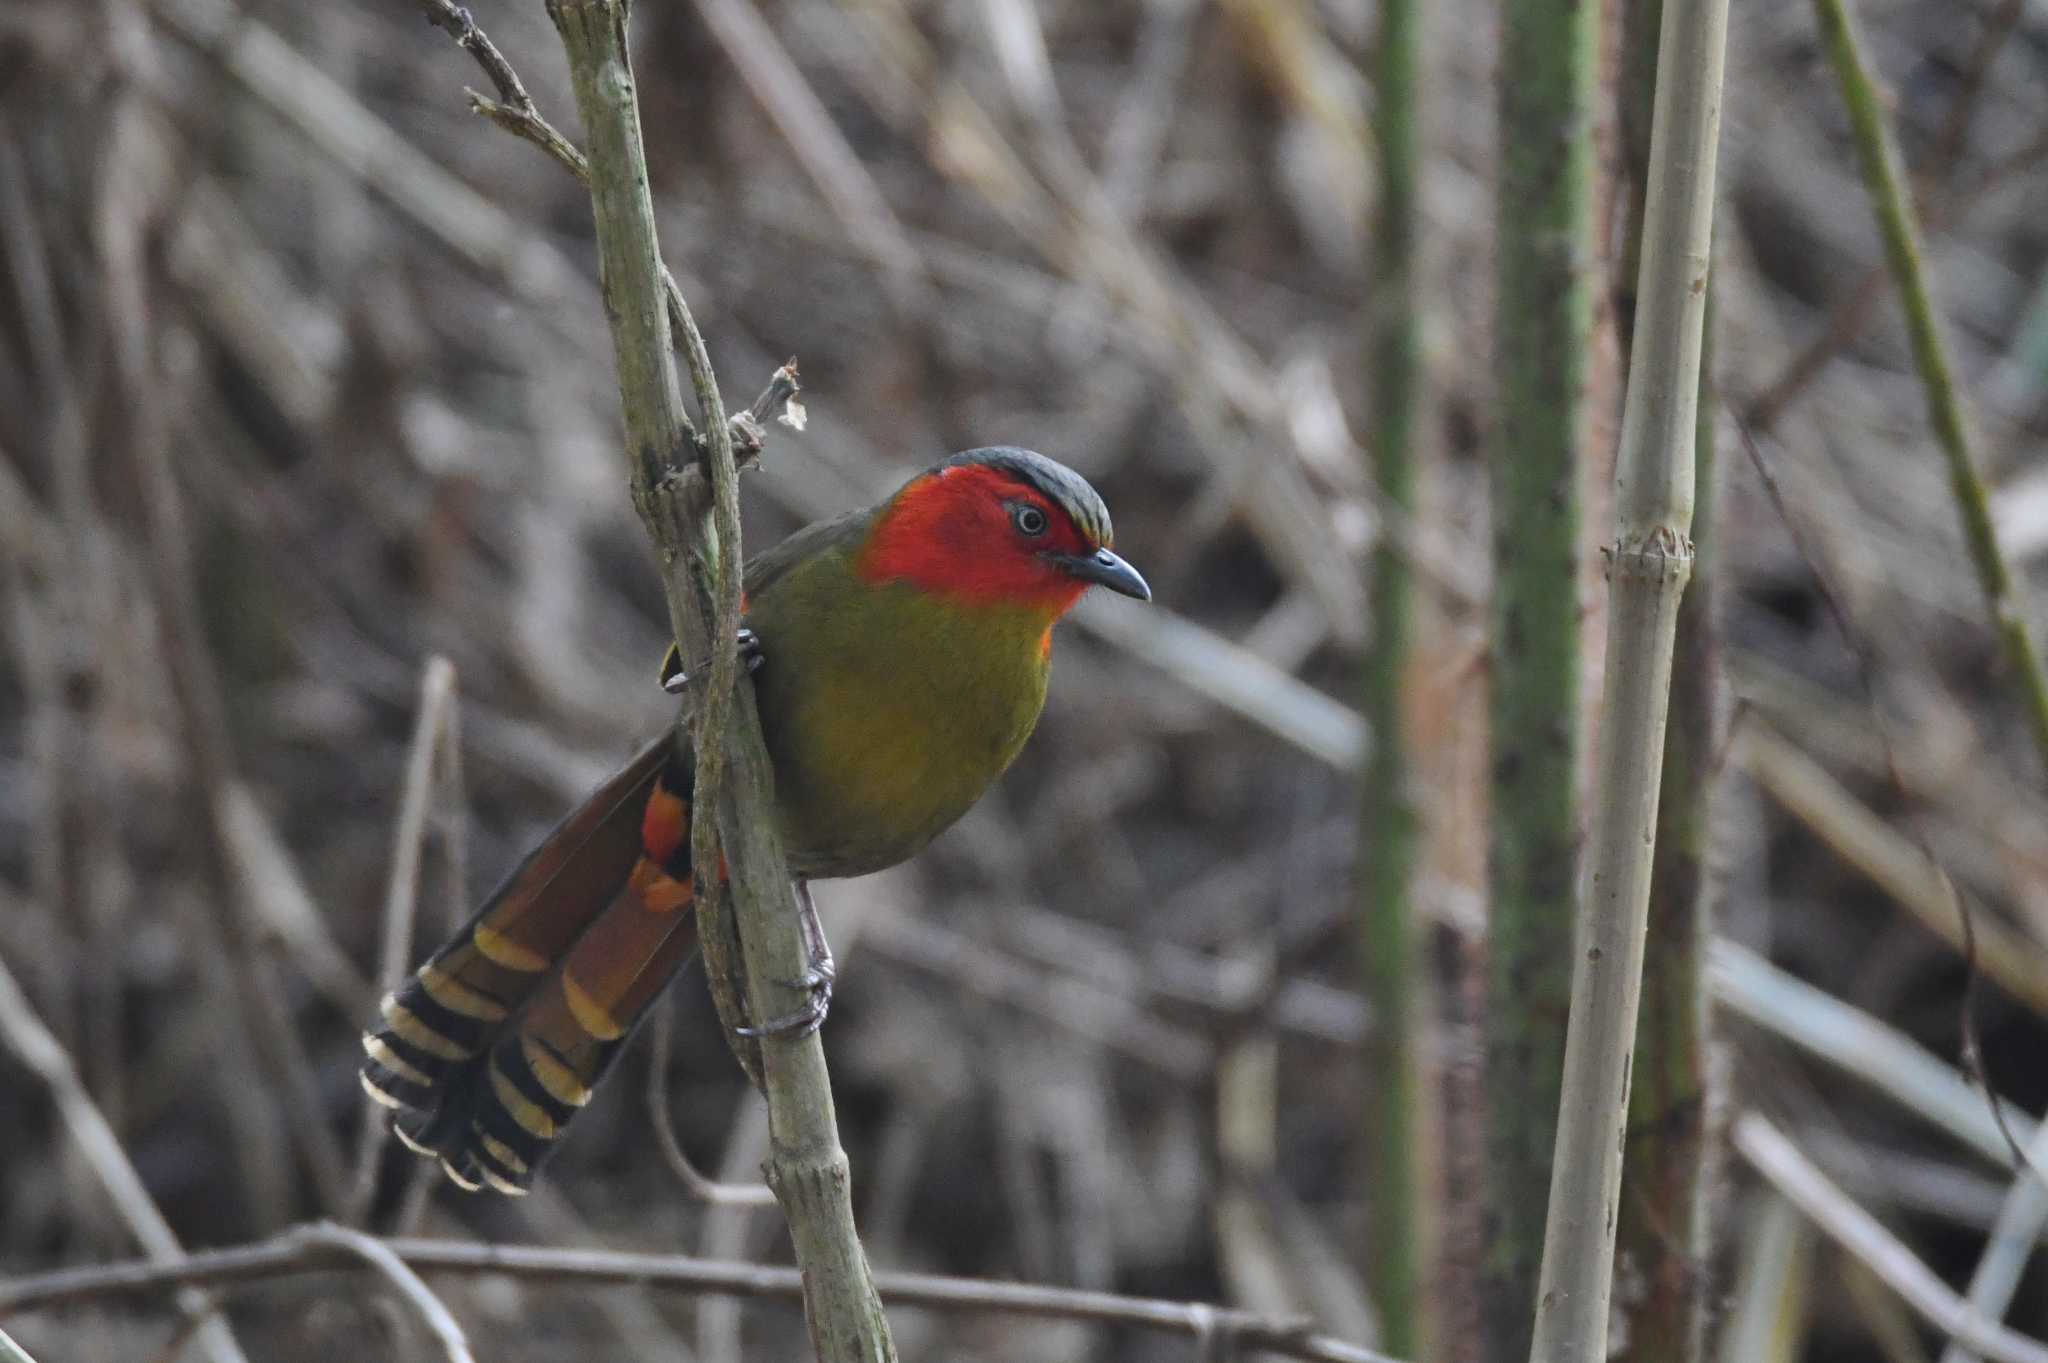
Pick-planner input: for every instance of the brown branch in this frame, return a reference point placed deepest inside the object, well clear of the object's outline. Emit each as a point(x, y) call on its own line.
point(513, 109)
point(376, 1255)
point(457, 22)
point(298, 1252)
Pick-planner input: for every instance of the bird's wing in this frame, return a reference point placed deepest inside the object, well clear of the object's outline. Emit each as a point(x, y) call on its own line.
point(764, 568)
point(770, 565)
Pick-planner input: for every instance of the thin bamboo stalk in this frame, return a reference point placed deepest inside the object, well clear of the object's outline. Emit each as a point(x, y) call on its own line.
point(1664, 1232)
point(1397, 1114)
point(1649, 564)
point(1947, 411)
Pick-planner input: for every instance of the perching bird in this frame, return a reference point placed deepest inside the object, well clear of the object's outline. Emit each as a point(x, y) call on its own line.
point(903, 655)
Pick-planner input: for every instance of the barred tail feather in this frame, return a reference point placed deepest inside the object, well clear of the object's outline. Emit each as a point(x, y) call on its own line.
point(493, 1044)
point(540, 1074)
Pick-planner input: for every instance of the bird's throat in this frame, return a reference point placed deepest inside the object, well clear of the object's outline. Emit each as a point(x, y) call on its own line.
point(889, 711)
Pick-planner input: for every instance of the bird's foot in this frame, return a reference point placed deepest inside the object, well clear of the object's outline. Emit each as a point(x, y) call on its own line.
point(675, 681)
point(801, 1022)
point(817, 980)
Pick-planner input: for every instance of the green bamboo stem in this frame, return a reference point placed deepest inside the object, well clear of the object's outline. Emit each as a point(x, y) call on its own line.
point(696, 538)
point(1397, 1116)
point(1543, 354)
point(1649, 565)
point(1664, 1233)
point(1946, 411)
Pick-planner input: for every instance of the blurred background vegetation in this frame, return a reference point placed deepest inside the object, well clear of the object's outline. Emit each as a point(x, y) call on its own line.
point(304, 381)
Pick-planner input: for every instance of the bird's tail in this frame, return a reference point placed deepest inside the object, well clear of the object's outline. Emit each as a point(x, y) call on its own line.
point(491, 1047)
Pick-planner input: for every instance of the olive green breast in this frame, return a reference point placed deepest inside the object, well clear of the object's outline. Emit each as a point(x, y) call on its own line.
point(887, 711)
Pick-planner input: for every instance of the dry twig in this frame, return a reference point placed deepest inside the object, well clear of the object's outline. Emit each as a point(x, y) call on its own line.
point(295, 1253)
point(1860, 1234)
point(378, 1256)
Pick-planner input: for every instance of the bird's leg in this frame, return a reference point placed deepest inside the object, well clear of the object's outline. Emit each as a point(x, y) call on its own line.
point(819, 975)
point(674, 680)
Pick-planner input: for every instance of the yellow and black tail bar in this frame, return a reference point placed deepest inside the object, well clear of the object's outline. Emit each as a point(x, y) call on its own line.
point(492, 1046)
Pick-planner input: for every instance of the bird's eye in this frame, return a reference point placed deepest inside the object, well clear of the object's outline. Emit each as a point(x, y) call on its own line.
point(1028, 519)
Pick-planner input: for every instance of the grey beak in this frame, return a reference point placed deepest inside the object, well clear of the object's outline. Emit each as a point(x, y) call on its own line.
point(1105, 569)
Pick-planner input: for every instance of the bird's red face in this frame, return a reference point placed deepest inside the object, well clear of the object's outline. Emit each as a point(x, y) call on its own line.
point(981, 535)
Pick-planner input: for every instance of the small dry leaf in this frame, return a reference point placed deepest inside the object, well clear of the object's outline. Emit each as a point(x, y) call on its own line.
point(793, 414)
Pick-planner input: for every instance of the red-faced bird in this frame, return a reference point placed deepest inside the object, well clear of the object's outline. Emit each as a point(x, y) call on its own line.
point(902, 658)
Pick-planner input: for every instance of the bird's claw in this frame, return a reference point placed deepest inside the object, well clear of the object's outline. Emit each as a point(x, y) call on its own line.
point(675, 681)
point(801, 1022)
point(820, 973)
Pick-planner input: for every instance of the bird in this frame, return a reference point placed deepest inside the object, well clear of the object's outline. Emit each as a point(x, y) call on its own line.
point(900, 656)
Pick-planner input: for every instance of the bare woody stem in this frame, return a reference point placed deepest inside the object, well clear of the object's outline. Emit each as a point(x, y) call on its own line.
point(312, 1248)
point(1650, 562)
point(698, 545)
point(1946, 411)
